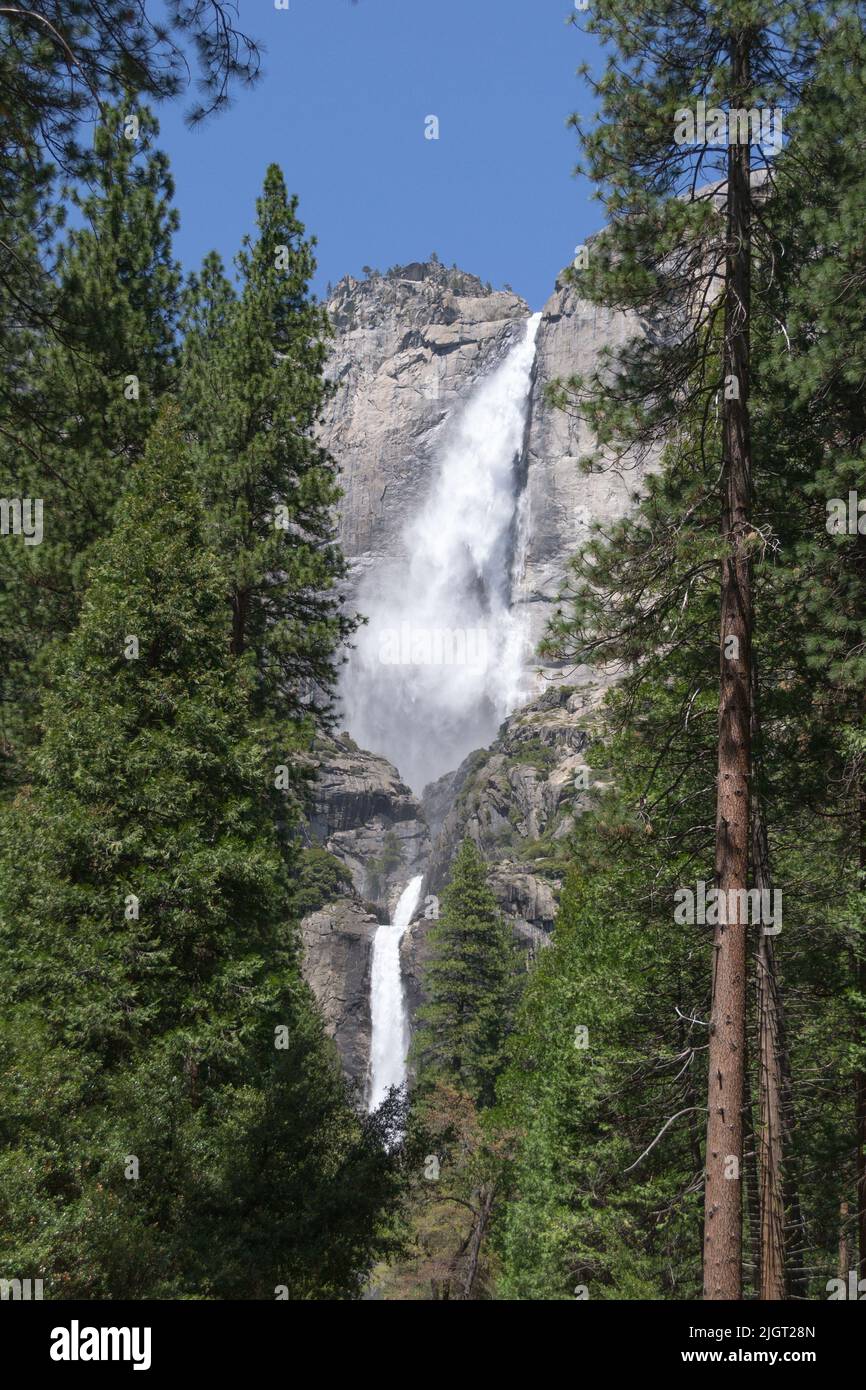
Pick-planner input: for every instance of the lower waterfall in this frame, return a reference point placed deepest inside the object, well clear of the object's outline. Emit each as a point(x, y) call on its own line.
point(390, 1030)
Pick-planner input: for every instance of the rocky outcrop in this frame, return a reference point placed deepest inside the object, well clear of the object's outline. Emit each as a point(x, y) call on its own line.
point(408, 347)
point(562, 501)
point(518, 800)
point(414, 955)
point(439, 797)
point(338, 949)
point(369, 820)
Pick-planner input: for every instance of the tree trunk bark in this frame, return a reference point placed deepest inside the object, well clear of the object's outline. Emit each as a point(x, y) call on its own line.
point(771, 1134)
point(753, 1187)
point(782, 1233)
point(479, 1230)
point(860, 1075)
point(844, 1248)
point(240, 603)
point(723, 1199)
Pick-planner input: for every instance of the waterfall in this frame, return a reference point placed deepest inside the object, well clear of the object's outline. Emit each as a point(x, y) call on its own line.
point(390, 1029)
point(442, 659)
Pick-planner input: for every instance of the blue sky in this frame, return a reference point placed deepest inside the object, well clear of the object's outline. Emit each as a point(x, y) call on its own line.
point(342, 108)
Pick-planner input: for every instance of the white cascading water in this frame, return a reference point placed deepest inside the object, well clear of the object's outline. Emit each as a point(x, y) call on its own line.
point(442, 659)
point(390, 1032)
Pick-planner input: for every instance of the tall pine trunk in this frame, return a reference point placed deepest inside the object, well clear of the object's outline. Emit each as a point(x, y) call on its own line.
point(783, 1235)
point(723, 1196)
point(860, 1075)
point(858, 970)
point(773, 1065)
point(751, 1264)
point(772, 1129)
point(844, 1247)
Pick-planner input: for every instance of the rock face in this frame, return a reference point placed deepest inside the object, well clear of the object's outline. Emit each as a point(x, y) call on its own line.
point(408, 347)
point(517, 801)
point(338, 950)
point(365, 816)
point(369, 820)
point(561, 501)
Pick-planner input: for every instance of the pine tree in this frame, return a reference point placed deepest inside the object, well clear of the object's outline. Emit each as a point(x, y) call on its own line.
point(63, 61)
point(820, 372)
point(253, 390)
point(470, 983)
point(458, 1165)
point(173, 1121)
point(605, 1080)
point(84, 399)
point(669, 256)
point(645, 597)
point(30, 218)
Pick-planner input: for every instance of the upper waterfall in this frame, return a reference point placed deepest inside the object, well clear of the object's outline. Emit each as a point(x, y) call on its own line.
point(442, 658)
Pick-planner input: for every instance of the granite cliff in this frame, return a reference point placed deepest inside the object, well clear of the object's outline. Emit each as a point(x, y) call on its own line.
point(410, 348)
